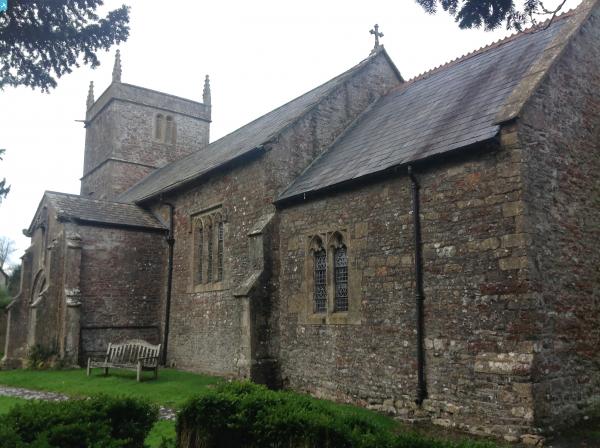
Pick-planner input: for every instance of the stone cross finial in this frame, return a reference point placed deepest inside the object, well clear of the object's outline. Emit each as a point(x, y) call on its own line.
point(375, 32)
point(206, 91)
point(90, 97)
point(116, 74)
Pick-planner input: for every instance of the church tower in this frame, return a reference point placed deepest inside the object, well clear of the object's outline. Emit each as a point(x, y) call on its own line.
point(131, 131)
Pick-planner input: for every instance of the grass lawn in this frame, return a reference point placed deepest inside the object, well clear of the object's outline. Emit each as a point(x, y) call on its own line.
point(171, 389)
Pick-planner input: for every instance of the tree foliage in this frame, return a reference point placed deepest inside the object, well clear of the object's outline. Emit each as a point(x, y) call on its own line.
point(7, 247)
point(41, 40)
point(14, 280)
point(4, 189)
point(492, 13)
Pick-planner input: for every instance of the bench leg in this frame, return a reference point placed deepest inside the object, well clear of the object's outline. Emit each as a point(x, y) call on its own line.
point(106, 371)
point(156, 372)
point(139, 371)
point(89, 366)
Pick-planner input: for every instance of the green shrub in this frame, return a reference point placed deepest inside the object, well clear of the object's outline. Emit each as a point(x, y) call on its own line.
point(245, 415)
point(98, 422)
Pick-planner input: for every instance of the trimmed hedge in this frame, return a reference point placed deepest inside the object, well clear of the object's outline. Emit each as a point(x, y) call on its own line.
point(98, 422)
point(245, 415)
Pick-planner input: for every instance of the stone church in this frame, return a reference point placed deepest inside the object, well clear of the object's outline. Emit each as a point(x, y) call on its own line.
point(426, 247)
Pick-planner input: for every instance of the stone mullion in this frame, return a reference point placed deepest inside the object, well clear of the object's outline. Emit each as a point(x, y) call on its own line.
point(330, 273)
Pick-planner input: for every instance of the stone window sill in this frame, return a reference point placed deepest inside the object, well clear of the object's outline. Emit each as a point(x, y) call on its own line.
point(336, 318)
point(209, 287)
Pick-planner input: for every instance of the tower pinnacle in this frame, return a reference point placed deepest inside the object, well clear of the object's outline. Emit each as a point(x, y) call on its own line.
point(206, 91)
point(90, 97)
point(116, 74)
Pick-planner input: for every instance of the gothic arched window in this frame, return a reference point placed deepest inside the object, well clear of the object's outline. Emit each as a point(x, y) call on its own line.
point(220, 242)
point(159, 124)
point(209, 255)
point(170, 130)
point(208, 258)
point(340, 270)
point(320, 272)
point(200, 256)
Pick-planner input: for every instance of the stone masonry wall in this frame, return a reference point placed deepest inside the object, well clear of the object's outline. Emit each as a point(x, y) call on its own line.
point(42, 265)
point(208, 329)
point(478, 309)
point(560, 136)
point(125, 130)
point(122, 286)
point(113, 177)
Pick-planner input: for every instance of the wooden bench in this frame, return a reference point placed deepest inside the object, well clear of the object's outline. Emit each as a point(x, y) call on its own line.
point(135, 355)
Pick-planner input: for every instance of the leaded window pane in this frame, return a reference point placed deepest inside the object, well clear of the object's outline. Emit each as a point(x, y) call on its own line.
point(341, 279)
point(320, 281)
point(209, 258)
point(220, 251)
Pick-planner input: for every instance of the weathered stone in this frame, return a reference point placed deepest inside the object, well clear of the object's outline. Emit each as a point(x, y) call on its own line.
point(509, 261)
point(512, 209)
point(532, 440)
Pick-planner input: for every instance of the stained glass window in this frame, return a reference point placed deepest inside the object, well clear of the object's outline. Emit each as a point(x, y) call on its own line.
point(340, 263)
point(200, 253)
point(220, 251)
point(209, 257)
point(320, 281)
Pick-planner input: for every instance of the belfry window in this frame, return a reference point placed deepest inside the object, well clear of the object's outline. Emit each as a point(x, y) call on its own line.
point(340, 267)
point(159, 124)
point(165, 128)
point(170, 130)
point(320, 272)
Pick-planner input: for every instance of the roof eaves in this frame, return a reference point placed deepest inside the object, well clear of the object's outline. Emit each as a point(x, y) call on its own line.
point(331, 146)
point(106, 223)
point(341, 79)
point(374, 176)
point(195, 177)
point(540, 68)
point(29, 230)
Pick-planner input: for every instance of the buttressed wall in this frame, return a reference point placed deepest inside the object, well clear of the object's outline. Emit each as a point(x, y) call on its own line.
point(560, 136)
point(225, 324)
point(44, 309)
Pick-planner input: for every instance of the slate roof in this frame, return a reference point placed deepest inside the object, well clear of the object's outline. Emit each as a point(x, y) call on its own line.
point(71, 206)
point(450, 107)
point(240, 142)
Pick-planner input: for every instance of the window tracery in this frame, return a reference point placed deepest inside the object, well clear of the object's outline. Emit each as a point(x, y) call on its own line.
point(340, 266)
point(165, 128)
point(329, 279)
point(320, 281)
point(220, 243)
point(209, 249)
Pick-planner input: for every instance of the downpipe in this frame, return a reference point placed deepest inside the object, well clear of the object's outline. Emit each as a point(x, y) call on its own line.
point(419, 296)
point(171, 243)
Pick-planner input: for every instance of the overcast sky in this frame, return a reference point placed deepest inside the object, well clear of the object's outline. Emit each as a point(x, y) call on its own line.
point(259, 55)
